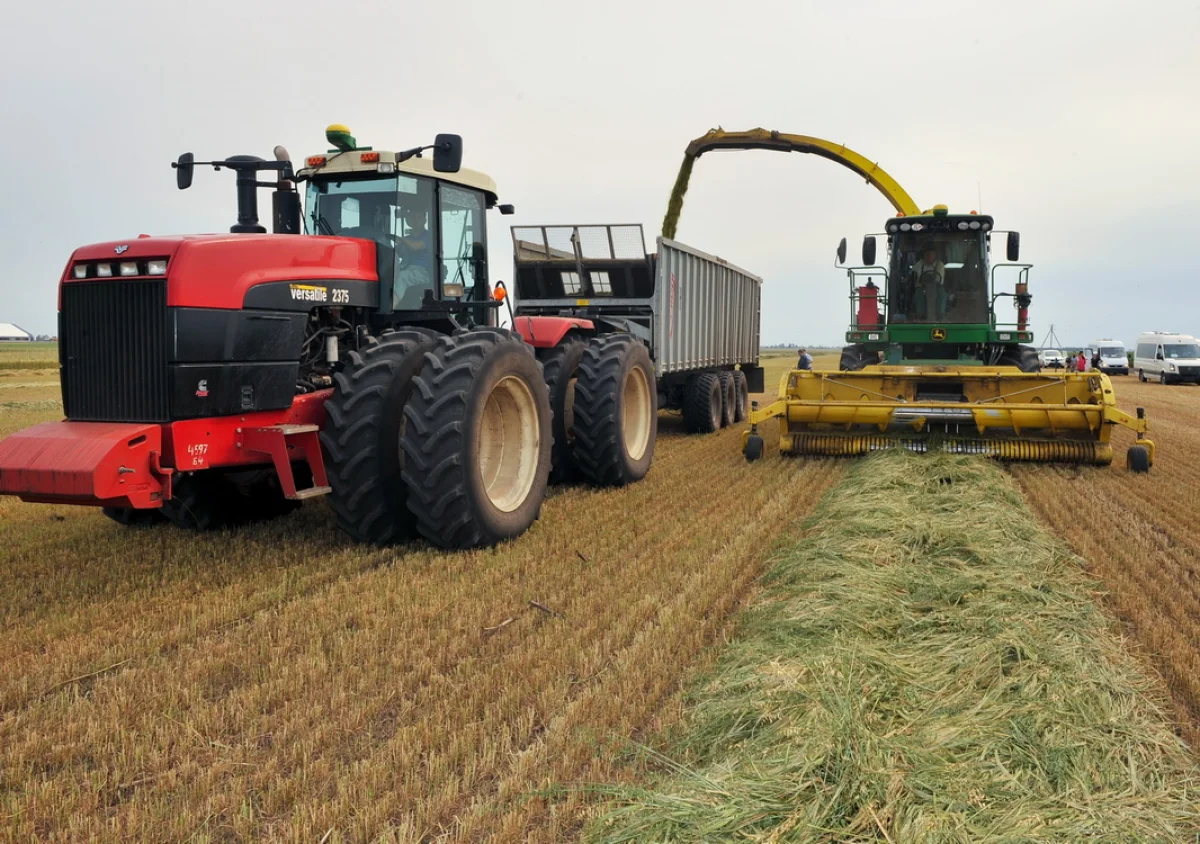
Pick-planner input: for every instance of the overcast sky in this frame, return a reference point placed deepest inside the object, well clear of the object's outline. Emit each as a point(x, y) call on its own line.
point(1077, 123)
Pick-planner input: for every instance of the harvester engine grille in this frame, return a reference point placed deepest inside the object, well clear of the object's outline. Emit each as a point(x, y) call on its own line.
point(113, 346)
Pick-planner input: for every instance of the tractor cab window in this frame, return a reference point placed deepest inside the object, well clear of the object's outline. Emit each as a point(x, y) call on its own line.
point(938, 277)
point(464, 245)
point(396, 213)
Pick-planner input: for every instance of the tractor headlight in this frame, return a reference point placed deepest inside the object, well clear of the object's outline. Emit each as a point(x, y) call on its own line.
point(104, 270)
point(158, 267)
point(79, 271)
point(385, 167)
point(893, 228)
point(905, 227)
point(985, 225)
point(963, 225)
point(454, 290)
point(917, 227)
point(974, 224)
point(129, 268)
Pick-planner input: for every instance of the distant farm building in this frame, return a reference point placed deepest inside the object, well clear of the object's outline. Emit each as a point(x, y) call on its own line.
point(10, 333)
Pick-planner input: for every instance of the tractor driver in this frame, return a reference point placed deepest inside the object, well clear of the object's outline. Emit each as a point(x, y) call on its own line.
point(929, 286)
point(414, 253)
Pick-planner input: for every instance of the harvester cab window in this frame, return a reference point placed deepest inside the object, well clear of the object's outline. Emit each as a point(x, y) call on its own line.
point(938, 277)
point(464, 244)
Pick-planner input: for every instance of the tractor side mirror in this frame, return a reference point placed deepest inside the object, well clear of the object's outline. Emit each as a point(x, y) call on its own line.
point(447, 153)
point(506, 209)
point(1014, 246)
point(868, 251)
point(184, 168)
point(841, 253)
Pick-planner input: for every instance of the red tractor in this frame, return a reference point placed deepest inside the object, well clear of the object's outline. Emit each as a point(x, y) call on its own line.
point(214, 379)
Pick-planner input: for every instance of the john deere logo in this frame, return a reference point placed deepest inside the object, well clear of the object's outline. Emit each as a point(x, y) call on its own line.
point(938, 334)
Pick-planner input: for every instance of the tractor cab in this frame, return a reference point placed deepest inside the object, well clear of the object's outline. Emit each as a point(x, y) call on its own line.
point(934, 297)
point(426, 218)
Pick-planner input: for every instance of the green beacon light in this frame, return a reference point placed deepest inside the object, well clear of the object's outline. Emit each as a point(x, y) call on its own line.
point(340, 138)
point(940, 210)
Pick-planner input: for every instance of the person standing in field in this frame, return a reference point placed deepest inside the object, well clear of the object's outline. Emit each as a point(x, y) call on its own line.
point(805, 361)
point(1081, 362)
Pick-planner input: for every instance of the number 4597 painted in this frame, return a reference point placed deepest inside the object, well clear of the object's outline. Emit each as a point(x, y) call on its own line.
point(196, 451)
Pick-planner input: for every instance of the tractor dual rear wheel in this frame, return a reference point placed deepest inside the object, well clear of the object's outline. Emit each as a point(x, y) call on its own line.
point(361, 436)
point(615, 421)
point(476, 439)
point(560, 364)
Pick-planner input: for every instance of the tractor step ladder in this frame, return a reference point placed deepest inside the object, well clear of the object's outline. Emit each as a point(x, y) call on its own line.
point(285, 443)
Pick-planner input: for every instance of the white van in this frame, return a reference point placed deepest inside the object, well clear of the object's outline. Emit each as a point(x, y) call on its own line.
point(1112, 356)
point(1171, 358)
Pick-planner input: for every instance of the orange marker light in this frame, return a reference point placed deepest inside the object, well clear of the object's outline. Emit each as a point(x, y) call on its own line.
point(369, 158)
point(499, 294)
point(314, 161)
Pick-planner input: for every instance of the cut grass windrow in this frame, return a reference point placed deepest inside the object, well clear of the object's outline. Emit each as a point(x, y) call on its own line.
point(928, 665)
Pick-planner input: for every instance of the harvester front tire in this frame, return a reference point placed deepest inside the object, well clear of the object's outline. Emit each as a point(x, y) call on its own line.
point(702, 403)
point(616, 411)
point(1025, 358)
point(741, 406)
point(855, 357)
point(361, 437)
point(477, 439)
point(561, 367)
point(728, 398)
point(1137, 459)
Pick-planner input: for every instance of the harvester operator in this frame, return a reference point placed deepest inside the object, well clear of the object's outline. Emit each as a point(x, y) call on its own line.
point(929, 286)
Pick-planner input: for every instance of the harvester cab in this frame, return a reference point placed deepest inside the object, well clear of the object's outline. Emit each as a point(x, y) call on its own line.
point(935, 299)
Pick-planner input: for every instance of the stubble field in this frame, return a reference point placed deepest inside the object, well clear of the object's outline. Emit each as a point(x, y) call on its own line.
point(279, 681)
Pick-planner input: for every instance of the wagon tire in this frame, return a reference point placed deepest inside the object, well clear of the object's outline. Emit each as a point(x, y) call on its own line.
point(702, 403)
point(741, 406)
point(728, 397)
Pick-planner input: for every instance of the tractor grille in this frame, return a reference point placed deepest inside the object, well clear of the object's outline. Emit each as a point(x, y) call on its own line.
point(113, 345)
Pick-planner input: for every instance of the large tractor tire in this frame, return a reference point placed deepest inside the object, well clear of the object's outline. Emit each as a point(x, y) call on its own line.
point(728, 398)
point(741, 406)
point(616, 411)
point(361, 437)
point(477, 439)
point(561, 368)
point(702, 403)
point(1024, 358)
